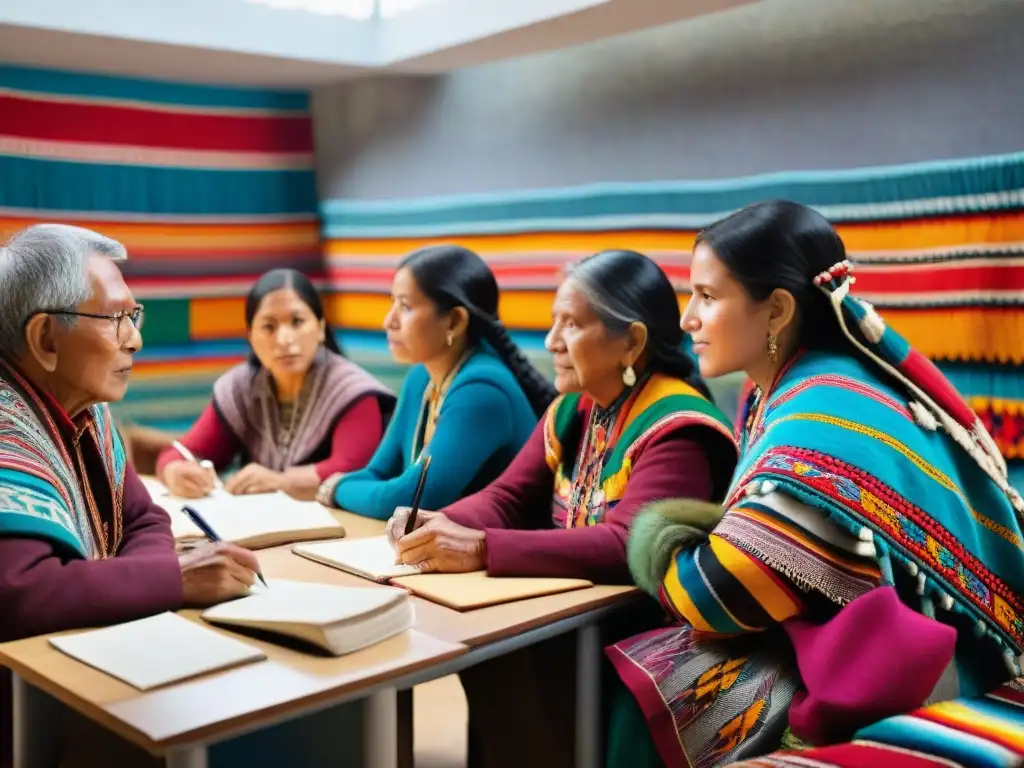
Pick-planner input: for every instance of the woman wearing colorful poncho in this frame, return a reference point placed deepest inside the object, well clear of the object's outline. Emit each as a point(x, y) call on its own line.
point(868, 559)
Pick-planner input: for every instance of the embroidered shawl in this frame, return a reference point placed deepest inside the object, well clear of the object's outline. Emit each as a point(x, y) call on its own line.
point(660, 405)
point(841, 436)
point(40, 493)
point(245, 399)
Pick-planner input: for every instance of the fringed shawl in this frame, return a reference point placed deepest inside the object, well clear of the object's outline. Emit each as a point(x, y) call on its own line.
point(842, 437)
point(40, 493)
point(245, 399)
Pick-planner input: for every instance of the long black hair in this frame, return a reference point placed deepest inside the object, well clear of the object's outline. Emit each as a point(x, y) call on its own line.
point(625, 287)
point(290, 279)
point(452, 276)
point(782, 244)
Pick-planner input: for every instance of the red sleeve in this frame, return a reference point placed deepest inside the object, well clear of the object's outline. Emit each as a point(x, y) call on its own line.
point(672, 466)
point(519, 498)
point(208, 439)
point(356, 436)
point(40, 592)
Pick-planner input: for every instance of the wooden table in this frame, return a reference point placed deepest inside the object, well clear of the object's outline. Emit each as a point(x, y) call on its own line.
point(181, 721)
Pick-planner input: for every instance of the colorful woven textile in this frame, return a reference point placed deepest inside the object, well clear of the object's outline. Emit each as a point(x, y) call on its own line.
point(40, 494)
point(986, 732)
point(207, 187)
point(661, 403)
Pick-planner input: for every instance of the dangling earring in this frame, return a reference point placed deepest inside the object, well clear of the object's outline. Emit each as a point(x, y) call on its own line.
point(629, 376)
point(449, 338)
point(773, 348)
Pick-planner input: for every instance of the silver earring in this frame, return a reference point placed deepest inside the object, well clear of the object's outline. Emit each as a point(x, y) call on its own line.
point(450, 338)
point(629, 376)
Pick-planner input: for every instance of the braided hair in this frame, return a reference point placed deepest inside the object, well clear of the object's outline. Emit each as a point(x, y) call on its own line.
point(452, 276)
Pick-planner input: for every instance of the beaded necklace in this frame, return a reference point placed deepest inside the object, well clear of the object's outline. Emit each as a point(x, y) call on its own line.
point(586, 497)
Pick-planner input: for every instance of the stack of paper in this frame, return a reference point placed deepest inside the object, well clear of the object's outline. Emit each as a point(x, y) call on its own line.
point(157, 650)
point(338, 619)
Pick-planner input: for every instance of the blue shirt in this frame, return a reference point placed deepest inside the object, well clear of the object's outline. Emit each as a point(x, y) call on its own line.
point(484, 420)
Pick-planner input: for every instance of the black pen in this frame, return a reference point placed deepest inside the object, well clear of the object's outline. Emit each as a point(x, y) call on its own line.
point(211, 534)
point(410, 524)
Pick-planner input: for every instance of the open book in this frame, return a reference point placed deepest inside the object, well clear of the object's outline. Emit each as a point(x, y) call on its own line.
point(338, 619)
point(371, 558)
point(156, 651)
point(255, 520)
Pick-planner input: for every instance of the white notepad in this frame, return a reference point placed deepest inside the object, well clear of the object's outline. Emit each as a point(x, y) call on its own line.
point(338, 619)
point(254, 520)
point(371, 558)
point(157, 650)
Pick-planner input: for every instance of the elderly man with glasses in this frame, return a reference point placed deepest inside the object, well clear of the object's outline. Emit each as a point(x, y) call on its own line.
point(81, 542)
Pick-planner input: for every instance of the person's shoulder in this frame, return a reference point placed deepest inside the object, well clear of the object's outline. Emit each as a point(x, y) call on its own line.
point(485, 368)
point(415, 381)
point(234, 377)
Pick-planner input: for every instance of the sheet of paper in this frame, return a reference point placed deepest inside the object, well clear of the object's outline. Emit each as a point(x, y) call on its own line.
point(157, 650)
point(371, 557)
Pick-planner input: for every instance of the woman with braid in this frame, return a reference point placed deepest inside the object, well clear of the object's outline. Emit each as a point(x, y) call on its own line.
point(633, 424)
point(469, 402)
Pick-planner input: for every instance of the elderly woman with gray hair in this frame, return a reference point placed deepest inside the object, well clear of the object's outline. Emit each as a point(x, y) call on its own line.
point(633, 424)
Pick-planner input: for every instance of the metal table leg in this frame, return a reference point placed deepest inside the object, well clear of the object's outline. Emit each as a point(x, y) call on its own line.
point(588, 697)
point(191, 757)
point(37, 726)
point(380, 730)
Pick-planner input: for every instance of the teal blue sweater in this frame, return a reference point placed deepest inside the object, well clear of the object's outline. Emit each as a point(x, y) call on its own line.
point(484, 420)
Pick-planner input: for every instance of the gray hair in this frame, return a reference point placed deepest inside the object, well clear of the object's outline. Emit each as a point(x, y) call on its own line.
point(44, 268)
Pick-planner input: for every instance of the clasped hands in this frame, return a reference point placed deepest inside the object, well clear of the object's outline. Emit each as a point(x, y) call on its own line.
point(192, 481)
point(437, 545)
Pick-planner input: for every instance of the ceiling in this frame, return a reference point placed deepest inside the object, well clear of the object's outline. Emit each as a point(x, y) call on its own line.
point(245, 43)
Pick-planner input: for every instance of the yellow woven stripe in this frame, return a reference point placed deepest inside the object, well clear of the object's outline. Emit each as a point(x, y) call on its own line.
point(882, 437)
point(681, 601)
point(772, 597)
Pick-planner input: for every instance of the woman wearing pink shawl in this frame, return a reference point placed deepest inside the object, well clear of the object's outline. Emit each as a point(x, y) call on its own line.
point(296, 412)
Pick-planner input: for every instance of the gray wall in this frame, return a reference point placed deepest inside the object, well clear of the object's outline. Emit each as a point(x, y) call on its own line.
point(779, 85)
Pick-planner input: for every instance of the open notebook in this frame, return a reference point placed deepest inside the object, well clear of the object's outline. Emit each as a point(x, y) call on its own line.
point(338, 619)
point(156, 651)
point(371, 558)
point(256, 520)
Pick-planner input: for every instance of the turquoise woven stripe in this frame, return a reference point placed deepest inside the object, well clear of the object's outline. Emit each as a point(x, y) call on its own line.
point(958, 186)
point(63, 83)
point(57, 185)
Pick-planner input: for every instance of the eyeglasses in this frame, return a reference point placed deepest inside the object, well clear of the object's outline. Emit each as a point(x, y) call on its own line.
point(136, 316)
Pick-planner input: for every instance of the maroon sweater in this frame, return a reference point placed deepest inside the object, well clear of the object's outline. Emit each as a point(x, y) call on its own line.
point(516, 511)
point(42, 590)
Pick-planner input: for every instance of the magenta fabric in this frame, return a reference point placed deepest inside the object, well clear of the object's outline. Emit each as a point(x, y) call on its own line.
point(876, 658)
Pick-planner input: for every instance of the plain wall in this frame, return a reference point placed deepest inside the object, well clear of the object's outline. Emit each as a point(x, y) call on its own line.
point(778, 85)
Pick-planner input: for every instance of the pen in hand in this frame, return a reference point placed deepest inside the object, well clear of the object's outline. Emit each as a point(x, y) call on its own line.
point(205, 463)
point(211, 534)
point(410, 523)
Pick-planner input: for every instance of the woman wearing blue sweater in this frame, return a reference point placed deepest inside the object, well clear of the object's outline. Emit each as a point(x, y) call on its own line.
point(470, 402)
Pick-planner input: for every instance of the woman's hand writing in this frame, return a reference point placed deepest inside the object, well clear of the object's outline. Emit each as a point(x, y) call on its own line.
point(441, 546)
point(188, 480)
